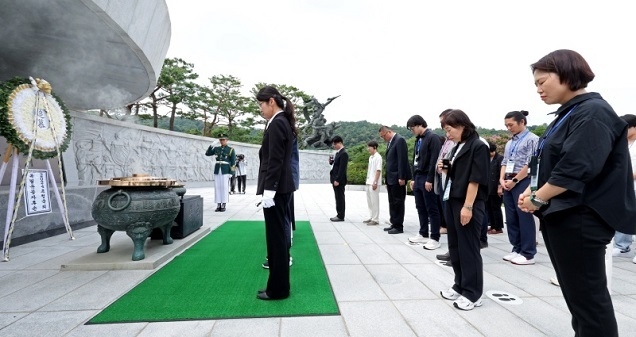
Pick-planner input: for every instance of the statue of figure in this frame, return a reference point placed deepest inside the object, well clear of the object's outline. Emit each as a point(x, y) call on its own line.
point(318, 132)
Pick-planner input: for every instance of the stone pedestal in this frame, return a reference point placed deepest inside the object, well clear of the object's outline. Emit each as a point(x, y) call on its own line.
point(189, 219)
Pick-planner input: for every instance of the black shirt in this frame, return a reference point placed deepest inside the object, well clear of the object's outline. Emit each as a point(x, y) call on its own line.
point(588, 155)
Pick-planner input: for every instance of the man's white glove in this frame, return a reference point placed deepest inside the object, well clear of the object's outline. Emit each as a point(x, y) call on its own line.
point(268, 199)
point(216, 143)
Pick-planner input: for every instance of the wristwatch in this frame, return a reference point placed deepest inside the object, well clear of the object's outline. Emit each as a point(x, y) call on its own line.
point(537, 202)
point(515, 180)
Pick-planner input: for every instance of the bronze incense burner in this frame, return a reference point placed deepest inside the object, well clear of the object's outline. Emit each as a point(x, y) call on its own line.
point(136, 205)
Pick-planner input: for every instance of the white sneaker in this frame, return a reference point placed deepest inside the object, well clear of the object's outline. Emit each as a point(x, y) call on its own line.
point(619, 252)
point(418, 239)
point(431, 244)
point(450, 294)
point(463, 303)
point(291, 261)
point(634, 260)
point(510, 256)
point(554, 281)
point(521, 260)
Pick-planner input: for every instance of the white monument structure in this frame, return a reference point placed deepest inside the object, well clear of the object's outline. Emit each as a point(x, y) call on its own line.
point(96, 54)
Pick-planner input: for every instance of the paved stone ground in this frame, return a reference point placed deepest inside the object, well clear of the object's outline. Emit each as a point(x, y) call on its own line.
point(384, 287)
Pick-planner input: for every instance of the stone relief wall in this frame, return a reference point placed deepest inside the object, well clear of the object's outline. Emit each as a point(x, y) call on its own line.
point(103, 149)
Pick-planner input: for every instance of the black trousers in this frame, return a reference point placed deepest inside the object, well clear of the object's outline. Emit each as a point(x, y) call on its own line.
point(232, 183)
point(292, 212)
point(276, 223)
point(397, 196)
point(440, 205)
point(464, 249)
point(242, 183)
point(576, 240)
point(339, 192)
point(493, 209)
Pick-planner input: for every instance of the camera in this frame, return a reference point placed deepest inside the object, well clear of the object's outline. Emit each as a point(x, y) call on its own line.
point(240, 157)
point(331, 157)
point(446, 164)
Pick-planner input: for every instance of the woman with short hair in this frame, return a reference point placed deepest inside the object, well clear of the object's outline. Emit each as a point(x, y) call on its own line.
point(578, 178)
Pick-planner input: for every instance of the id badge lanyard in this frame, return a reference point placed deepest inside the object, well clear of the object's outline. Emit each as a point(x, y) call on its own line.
point(535, 161)
point(510, 164)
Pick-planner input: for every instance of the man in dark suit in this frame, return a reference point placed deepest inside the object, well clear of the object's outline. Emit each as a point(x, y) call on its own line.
point(397, 173)
point(338, 177)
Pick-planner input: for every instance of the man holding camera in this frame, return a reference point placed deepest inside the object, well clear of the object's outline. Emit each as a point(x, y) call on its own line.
point(241, 172)
point(223, 170)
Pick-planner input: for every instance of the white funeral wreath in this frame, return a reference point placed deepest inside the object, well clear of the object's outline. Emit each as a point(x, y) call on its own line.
point(33, 114)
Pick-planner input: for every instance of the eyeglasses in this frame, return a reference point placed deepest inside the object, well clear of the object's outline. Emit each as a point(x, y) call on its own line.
point(382, 134)
point(410, 128)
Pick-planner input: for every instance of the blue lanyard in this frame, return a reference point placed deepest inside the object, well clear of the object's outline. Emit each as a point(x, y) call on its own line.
point(512, 151)
point(552, 130)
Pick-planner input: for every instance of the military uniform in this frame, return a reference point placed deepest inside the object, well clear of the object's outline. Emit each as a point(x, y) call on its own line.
point(224, 169)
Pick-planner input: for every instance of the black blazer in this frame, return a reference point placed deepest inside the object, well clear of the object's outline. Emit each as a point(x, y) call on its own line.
point(588, 155)
point(495, 171)
point(470, 165)
point(429, 151)
point(274, 172)
point(397, 161)
point(339, 169)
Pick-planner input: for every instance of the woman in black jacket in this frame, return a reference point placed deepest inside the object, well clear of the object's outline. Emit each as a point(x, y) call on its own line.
point(276, 185)
point(465, 192)
point(579, 179)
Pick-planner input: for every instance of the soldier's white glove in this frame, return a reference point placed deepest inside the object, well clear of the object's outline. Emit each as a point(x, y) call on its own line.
point(268, 199)
point(216, 143)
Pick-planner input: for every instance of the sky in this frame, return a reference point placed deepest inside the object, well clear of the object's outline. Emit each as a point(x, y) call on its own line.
point(390, 60)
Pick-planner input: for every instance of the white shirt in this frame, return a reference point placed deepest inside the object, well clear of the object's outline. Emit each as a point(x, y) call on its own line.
point(375, 164)
point(269, 120)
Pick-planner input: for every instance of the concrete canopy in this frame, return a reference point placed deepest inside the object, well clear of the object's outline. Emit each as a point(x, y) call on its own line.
point(97, 54)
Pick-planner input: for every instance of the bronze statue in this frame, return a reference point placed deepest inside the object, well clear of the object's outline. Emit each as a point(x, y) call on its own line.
point(317, 132)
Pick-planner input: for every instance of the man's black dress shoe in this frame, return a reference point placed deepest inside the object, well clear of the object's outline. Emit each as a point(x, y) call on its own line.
point(443, 257)
point(386, 229)
point(336, 219)
point(395, 231)
point(263, 296)
point(261, 291)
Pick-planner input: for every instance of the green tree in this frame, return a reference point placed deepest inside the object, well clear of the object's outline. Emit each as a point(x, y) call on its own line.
point(226, 96)
point(174, 86)
point(177, 83)
point(201, 107)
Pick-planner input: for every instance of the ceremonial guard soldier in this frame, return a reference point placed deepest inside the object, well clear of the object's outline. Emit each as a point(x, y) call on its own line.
point(223, 170)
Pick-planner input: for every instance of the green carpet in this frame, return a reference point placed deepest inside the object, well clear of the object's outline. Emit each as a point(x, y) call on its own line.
point(219, 276)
